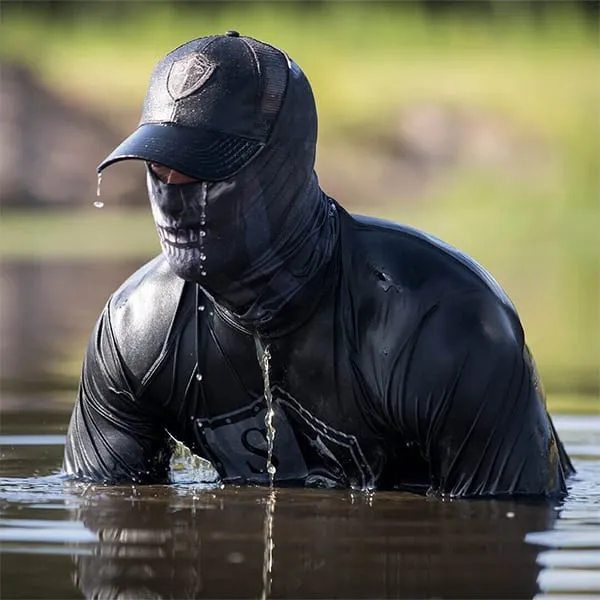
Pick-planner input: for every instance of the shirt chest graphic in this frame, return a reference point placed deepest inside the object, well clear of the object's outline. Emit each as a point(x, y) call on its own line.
point(305, 448)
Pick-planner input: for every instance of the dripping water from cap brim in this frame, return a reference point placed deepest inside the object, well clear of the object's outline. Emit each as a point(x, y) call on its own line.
point(98, 203)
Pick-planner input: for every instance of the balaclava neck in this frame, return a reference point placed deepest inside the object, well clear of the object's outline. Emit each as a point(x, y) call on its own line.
point(258, 242)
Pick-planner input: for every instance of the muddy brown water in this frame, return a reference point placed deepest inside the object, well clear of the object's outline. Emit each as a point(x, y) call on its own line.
point(198, 540)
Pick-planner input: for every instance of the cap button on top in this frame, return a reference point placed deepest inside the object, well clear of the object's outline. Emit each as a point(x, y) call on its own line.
point(232, 33)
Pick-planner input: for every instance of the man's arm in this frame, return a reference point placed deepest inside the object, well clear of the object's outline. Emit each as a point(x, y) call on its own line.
point(470, 398)
point(113, 437)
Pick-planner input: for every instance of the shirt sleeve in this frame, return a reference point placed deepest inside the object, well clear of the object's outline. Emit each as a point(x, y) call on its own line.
point(112, 436)
point(466, 392)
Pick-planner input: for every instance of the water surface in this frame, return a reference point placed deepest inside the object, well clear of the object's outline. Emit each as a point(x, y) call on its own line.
point(197, 540)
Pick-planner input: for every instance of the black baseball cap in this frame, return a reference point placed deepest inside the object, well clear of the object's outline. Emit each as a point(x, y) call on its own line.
point(210, 108)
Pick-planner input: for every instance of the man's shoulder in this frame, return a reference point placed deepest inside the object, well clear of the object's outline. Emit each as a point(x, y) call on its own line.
point(142, 311)
point(449, 297)
point(153, 282)
point(423, 264)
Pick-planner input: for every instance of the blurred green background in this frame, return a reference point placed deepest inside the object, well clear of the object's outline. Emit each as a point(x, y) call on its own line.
point(477, 122)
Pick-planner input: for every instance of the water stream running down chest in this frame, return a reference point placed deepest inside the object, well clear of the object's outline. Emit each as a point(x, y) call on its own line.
point(264, 359)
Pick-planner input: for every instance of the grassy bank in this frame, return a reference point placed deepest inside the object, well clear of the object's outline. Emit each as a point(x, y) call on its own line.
point(536, 229)
point(364, 59)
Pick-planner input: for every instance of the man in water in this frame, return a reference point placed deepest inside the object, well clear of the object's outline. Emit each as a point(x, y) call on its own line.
point(382, 357)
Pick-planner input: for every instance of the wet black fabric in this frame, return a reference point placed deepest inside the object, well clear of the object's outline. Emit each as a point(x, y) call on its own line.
point(411, 372)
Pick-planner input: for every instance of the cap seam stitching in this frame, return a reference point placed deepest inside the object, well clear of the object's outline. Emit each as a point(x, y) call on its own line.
point(261, 88)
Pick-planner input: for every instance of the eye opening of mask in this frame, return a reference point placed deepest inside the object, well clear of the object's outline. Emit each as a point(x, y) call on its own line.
point(168, 175)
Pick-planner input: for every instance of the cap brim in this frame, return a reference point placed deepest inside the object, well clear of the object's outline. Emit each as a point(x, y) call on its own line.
point(201, 153)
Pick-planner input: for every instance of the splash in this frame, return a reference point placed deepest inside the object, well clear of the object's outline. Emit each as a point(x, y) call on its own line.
point(264, 359)
point(99, 203)
point(186, 467)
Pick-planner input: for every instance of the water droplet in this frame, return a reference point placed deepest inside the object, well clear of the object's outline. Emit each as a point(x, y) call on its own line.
point(199, 376)
point(202, 232)
point(98, 185)
point(98, 204)
point(201, 307)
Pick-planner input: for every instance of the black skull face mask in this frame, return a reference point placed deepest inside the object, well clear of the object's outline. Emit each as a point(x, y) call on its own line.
point(253, 241)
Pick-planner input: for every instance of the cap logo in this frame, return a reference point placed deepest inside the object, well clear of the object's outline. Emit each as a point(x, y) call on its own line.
point(187, 75)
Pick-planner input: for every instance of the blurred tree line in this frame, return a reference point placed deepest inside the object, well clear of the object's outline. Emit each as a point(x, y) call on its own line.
point(72, 9)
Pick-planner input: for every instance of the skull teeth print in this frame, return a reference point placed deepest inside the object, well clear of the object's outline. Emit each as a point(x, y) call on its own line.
point(178, 237)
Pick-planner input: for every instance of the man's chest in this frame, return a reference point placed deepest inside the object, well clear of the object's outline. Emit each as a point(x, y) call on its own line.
point(319, 438)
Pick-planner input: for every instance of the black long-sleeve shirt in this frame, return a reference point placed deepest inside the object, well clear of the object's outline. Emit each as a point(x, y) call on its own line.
point(408, 370)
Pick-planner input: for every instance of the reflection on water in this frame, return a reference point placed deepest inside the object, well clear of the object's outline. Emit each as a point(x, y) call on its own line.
point(194, 540)
point(267, 575)
point(47, 311)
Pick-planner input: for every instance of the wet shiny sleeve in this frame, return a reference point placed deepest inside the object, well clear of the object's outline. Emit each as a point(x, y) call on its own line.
point(466, 392)
point(112, 437)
